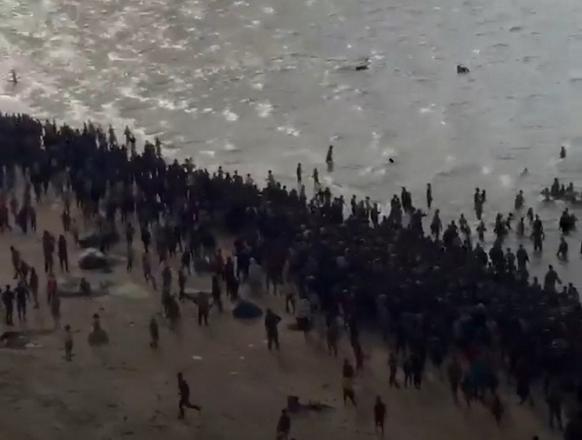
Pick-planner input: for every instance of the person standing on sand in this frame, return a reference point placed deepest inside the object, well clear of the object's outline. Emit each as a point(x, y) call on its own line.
point(393, 366)
point(33, 284)
point(68, 343)
point(181, 283)
point(51, 288)
point(271, 322)
point(154, 333)
point(348, 383)
point(283, 425)
point(15, 256)
point(379, 415)
point(63, 253)
point(21, 298)
point(203, 308)
point(216, 293)
point(147, 269)
point(48, 247)
point(8, 301)
point(455, 374)
point(130, 256)
point(55, 305)
point(184, 394)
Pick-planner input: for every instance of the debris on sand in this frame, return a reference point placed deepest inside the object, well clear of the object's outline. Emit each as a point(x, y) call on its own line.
point(294, 405)
point(247, 310)
point(108, 236)
point(13, 339)
point(93, 259)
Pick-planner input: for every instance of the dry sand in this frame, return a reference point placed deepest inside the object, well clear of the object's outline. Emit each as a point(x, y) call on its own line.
point(128, 390)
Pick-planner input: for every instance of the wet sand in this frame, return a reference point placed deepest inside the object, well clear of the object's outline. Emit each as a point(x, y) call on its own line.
point(128, 390)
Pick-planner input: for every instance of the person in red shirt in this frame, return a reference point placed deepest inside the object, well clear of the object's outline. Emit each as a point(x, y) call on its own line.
point(51, 288)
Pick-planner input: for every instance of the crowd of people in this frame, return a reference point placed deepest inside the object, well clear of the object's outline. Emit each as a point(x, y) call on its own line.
point(437, 297)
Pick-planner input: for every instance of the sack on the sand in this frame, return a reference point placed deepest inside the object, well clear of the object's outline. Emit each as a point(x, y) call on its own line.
point(92, 259)
point(247, 310)
point(107, 237)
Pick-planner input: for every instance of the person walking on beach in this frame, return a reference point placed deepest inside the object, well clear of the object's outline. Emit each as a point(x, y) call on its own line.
point(68, 343)
point(8, 301)
point(63, 254)
point(455, 375)
point(48, 247)
point(130, 257)
point(15, 257)
point(184, 397)
point(154, 333)
point(33, 284)
point(379, 415)
point(55, 306)
point(271, 322)
point(393, 367)
point(283, 426)
point(348, 383)
point(21, 298)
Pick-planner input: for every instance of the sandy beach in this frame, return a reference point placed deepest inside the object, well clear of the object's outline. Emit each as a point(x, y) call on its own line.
point(127, 390)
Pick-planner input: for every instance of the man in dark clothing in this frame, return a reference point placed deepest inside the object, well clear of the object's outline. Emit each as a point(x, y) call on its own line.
point(393, 366)
point(146, 238)
point(379, 415)
point(21, 298)
point(283, 426)
point(203, 308)
point(181, 283)
point(455, 373)
point(184, 393)
point(348, 382)
point(63, 254)
point(129, 232)
point(216, 293)
point(48, 247)
point(8, 300)
point(271, 322)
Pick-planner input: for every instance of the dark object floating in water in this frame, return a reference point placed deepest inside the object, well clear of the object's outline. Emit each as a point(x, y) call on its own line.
point(364, 65)
point(461, 69)
point(391, 160)
point(247, 310)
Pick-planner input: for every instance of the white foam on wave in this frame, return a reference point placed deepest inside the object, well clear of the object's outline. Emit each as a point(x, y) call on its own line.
point(229, 146)
point(505, 180)
point(229, 115)
point(485, 170)
point(288, 129)
point(268, 10)
point(389, 152)
point(264, 109)
point(207, 153)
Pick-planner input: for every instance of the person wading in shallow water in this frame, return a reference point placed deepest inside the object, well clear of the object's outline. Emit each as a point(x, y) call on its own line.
point(184, 395)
